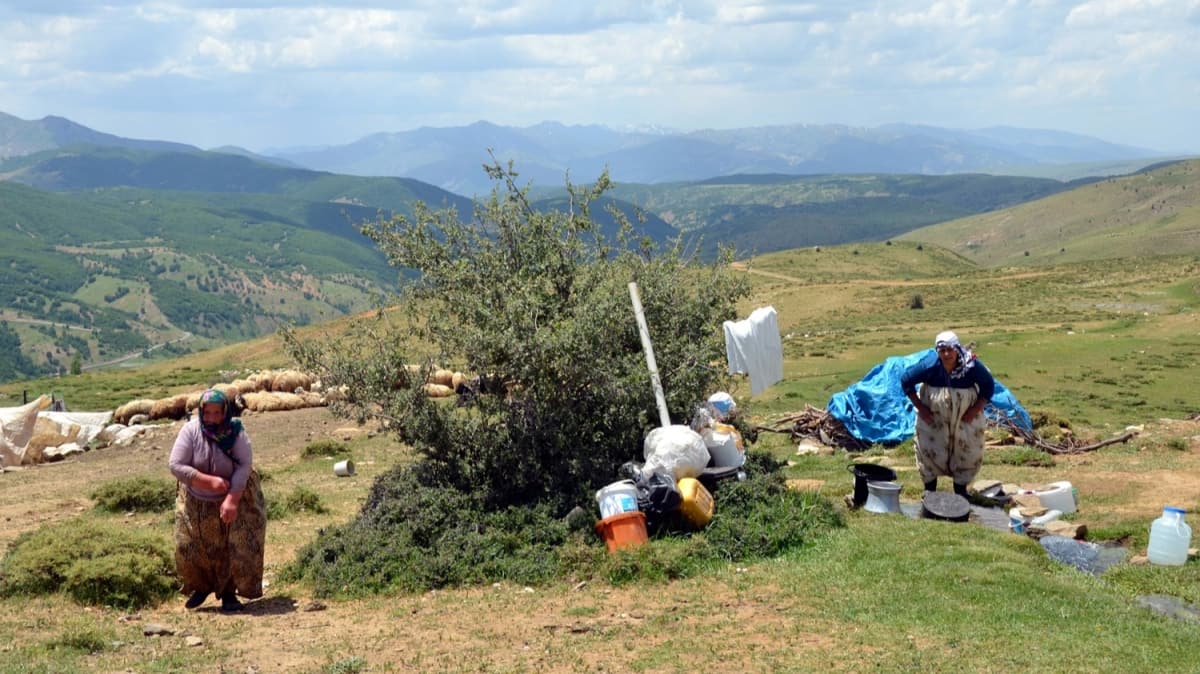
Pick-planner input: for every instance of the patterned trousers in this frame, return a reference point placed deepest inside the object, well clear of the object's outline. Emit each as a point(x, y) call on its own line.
point(948, 446)
point(211, 556)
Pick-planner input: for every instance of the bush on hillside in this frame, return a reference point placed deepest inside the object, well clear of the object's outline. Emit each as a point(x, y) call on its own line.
point(300, 500)
point(136, 494)
point(414, 536)
point(93, 561)
point(320, 448)
point(538, 305)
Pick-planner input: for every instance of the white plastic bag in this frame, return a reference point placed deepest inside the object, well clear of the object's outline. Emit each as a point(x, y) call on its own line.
point(676, 450)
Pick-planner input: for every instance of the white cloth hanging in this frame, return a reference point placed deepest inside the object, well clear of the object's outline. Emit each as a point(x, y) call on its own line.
point(753, 347)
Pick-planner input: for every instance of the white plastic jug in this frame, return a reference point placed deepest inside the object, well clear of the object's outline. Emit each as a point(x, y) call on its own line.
point(1170, 538)
point(618, 497)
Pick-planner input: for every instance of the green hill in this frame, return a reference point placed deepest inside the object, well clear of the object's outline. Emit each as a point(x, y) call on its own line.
point(1153, 212)
point(764, 213)
point(108, 273)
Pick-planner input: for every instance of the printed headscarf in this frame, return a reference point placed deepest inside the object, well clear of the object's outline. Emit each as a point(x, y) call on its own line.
point(966, 359)
point(225, 433)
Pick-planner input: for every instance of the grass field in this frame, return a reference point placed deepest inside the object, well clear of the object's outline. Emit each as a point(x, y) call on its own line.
point(1101, 346)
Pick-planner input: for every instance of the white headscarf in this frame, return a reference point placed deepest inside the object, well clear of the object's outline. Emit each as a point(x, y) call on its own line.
point(966, 359)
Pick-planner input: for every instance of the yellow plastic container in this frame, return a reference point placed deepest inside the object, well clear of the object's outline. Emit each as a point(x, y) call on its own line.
point(697, 505)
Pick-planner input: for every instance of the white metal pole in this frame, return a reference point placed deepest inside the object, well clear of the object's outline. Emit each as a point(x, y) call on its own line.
point(659, 397)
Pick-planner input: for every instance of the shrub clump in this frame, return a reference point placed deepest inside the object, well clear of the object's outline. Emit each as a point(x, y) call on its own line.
point(138, 494)
point(413, 536)
point(92, 561)
point(301, 499)
point(320, 448)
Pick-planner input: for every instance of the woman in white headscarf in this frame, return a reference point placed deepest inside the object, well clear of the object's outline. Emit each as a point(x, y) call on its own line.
point(955, 387)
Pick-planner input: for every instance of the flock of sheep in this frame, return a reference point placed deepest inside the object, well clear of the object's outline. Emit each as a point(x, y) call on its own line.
point(266, 391)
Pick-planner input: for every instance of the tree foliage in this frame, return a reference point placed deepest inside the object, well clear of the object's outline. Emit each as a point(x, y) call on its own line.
point(536, 305)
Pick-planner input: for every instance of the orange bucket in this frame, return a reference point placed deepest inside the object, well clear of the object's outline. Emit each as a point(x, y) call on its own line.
point(623, 530)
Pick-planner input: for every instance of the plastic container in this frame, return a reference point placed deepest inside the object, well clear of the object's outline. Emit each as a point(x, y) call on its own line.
point(697, 505)
point(721, 405)
point(725, 446)
point(1060, 496)
point(343, 468)
point(618, 497)
point(1019, 523)
point(623, 530)
point(1170, 538)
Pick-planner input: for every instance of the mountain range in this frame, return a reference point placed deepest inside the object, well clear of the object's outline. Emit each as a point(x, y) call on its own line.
point(111, 246)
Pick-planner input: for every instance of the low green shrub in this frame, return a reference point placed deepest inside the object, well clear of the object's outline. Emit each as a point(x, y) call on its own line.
point(93, 562)
point(1019, 456)
point(140, 494)
point(321, 448)
point(412, 537)
point(87, 640)
point(301, 499)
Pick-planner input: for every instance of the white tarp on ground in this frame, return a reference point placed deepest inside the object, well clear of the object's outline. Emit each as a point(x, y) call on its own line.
point(29, 429)
point(17, 426)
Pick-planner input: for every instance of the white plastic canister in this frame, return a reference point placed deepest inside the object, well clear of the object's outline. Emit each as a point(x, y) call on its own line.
point(1170, 538)
point(616, 498)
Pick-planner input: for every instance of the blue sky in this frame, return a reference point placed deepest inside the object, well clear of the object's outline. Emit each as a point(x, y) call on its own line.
point(263, 74)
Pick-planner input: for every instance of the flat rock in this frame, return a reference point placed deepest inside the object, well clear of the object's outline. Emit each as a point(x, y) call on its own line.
point(1171, 607)
point(193, 641)
point(156, 630)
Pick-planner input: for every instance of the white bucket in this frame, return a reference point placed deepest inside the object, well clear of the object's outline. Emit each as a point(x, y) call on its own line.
point(616, 498)
point(343, 468)
point(725, 446)
point(1060, 496)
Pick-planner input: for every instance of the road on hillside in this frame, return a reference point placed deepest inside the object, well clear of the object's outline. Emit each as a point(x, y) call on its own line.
point(39, 321)
point(130, 356)
point(741, 266)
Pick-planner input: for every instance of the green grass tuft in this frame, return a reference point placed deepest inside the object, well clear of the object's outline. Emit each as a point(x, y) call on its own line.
point(136, 494)
point(93, 561)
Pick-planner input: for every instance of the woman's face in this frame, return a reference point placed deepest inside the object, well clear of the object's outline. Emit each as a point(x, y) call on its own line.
point(212, 413)
point(949, 357)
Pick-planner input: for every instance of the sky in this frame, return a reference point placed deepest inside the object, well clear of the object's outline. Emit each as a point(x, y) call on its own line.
point(271, 74)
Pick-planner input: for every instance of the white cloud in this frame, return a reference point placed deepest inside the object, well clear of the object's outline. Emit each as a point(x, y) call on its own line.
point(670, 62)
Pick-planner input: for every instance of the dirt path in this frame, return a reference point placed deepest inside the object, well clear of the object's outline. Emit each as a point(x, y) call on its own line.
point(741, 266)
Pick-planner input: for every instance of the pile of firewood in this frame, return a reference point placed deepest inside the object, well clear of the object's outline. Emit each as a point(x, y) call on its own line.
point(820, 425)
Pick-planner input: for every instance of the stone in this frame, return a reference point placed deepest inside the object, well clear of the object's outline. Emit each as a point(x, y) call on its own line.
point(1171, 607)
point(156, 630)
point(1059, 528)
point(193, 641)
point(1030, 505)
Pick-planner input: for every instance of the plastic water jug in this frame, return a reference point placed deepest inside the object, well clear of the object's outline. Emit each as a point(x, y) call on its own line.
point(1170, 538)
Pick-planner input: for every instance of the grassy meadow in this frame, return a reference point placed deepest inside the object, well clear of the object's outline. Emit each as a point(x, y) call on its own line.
point(1098, 346)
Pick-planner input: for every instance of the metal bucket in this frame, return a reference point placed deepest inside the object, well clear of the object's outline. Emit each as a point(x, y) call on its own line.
point(882, 497)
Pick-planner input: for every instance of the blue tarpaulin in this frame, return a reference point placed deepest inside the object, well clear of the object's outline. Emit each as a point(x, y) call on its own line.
point(876, 410)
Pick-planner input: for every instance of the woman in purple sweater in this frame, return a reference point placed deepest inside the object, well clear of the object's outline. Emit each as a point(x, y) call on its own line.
point(220, 516)
point(955, 387)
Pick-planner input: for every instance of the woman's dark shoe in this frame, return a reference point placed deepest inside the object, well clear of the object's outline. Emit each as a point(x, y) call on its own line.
point(931, 485)
point(229, 602)
point(960, 489)
point(196, 599)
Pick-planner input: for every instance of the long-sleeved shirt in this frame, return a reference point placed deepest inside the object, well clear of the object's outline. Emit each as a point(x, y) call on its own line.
point(929, 371)
point(193, 454)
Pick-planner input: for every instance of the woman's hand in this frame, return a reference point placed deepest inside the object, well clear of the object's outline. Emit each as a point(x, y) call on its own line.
point(925, 413)
point(211, 483)
point(229, 508)
point(972, 412)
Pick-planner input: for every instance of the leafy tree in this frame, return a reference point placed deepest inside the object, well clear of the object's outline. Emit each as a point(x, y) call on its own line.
point(77, 364)
point(537, 305)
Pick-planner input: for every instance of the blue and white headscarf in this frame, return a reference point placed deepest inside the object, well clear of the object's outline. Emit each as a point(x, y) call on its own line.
point(966, 359)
